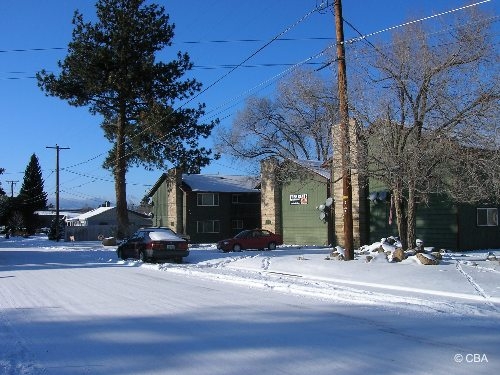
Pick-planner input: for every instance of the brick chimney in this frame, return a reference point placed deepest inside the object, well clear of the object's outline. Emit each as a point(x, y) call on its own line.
point(360, 206)
point(174, 217)
point(270, 196)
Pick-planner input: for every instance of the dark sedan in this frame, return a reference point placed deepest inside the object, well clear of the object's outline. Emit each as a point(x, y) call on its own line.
point(251, 239)
point(152, 244)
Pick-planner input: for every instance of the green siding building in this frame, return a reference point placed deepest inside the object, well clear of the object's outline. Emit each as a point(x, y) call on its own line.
point(208, 208)
point(441, 223)
point(300, 200)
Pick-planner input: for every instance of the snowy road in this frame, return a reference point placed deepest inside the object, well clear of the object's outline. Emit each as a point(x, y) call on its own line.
point(81, 311)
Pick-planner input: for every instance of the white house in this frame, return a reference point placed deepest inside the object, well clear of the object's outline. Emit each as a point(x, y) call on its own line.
point(101, 222)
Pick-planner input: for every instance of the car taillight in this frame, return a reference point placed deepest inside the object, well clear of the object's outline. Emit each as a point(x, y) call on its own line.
point(155, 245)
point(182, 246)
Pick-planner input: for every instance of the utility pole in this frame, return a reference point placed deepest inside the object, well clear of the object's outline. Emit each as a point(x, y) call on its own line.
point(12, 183)
point(344, 130)
point(57, 148)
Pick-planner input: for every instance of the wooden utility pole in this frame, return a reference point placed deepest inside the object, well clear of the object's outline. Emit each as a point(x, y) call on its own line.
point(57, 148)
point(344, 136)
point(12, 183)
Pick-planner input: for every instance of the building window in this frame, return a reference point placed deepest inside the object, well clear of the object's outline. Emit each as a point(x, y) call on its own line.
point(208, 199)
point(237, 224)
point(487, 217)
point(236, 198)
point(208, 226)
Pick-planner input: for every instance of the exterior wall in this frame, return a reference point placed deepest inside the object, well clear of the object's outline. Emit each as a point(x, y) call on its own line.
point(247, 209)
point(103, 225)
point(104, 218)
point(160, 206)
point(379, 216)
point(301, 222)
point(109, 218)
point(168, 208)
point(379, 222)
point(437, 223)
point(471, 236)
point(270, 197)
point(360, 206)
point(440, 224)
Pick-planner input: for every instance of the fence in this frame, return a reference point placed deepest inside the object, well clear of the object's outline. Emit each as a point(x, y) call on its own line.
point(93, 232)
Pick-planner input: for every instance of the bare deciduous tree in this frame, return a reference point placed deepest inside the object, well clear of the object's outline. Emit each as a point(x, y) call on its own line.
point(295, 125)
point(430, 111)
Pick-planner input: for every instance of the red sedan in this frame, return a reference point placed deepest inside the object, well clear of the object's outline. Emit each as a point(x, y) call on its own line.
point(251, 239)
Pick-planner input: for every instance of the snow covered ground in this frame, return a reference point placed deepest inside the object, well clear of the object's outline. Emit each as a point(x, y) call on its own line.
point(74, 308)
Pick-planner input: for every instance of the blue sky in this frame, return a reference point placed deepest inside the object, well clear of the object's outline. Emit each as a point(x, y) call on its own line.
point(34, 34)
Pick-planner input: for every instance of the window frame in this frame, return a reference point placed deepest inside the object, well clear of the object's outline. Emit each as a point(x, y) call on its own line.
point(237, 224)
point(203, 224)
point(201, 199)
point(489, 218)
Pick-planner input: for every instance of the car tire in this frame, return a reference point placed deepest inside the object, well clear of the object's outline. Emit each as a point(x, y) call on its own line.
point(236, 247)
point(119, 254)
point(271, 246)
point(142, 257)
point(178, 260)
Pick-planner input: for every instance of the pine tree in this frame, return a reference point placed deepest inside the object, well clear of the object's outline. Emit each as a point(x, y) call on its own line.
point(4, 203)
point(2, 192)
point(111, 68)
point(56, 235)
point(31, 196)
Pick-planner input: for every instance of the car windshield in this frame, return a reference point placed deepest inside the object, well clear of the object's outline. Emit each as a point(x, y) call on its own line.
point(169, 231)
point(243, 234)
point(163, 235)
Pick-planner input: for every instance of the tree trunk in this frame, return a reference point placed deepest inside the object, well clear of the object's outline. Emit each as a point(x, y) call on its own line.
point(401, 218)
point(412, 218)
point(120, 181)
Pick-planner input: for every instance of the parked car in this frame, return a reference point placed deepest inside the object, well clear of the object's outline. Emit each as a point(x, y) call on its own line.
point(251, 239)
point(184, 236)
point(151, 244)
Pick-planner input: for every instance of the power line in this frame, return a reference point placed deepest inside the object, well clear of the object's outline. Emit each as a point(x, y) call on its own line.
point(303, 18)
point(222, 41)
point(232, 70)
point(267, 82)
point(195, 67)
point(241, 65)
point(352, 40)
point(33, 49)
